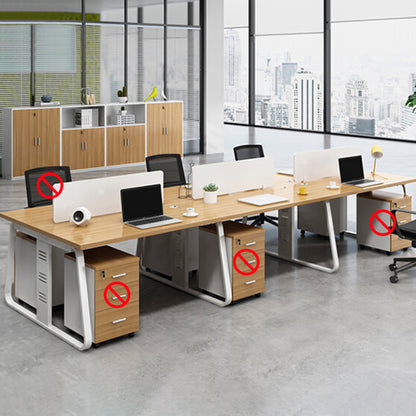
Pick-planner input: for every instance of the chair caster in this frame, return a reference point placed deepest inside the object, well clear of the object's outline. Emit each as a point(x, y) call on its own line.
point(258, 295)
point(302, 233)
point(394, 279)
point(341, 236)
point(392, 267)
point(388, 253)
point(131, 335)
point(96, 345)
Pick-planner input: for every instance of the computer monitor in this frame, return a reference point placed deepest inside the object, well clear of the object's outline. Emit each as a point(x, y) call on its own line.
point(351, 168)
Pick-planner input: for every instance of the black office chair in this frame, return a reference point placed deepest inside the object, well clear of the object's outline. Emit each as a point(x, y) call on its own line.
point(408, 232)
point(252, 151)
point(172, 167)
point(34, 198)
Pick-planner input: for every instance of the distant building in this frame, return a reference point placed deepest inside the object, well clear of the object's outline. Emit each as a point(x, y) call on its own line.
point(278, 113)
point(412, 83)
point(407, 117)
point(288, 71)
point(356, 98)
point(362, 126)
point(232, 65)
point(306, 101)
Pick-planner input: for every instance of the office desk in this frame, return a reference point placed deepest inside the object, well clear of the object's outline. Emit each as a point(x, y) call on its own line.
point(109, 229)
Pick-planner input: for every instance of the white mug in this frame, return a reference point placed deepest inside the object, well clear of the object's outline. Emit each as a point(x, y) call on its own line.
point(332, 184)
point(190, 211)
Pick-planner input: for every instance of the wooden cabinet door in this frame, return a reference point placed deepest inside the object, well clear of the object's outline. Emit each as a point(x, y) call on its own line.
point(115, 146)
point(156, 120)
point(25, 144)
point(135, 144)
point(173, 141)
point(47, 131)
point(72, 149)
point(93, 147)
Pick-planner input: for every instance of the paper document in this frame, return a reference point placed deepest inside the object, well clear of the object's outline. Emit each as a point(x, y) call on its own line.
point(264, 199)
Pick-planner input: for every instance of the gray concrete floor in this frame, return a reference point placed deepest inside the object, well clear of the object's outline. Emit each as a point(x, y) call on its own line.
point(313, 344)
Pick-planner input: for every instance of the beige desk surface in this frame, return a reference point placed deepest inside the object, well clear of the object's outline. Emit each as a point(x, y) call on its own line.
point(109, 229)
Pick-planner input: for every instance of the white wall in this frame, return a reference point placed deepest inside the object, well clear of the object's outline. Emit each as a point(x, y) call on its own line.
point(214, 76)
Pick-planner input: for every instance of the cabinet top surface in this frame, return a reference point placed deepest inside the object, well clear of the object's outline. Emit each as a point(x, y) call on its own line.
point(107, 229)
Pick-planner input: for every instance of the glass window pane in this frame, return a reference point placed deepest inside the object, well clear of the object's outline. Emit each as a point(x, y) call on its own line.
point(145, 62)
point(183, 68)
point(40, 10)
point(236, 75)
point(105, 61)
point(371, 9)
point(235, 13)
point(372, 75)
point(57, 56)
point(105, 10)
point(143, 11)
point(289, 81)
point(296, 16)
point(177, 12)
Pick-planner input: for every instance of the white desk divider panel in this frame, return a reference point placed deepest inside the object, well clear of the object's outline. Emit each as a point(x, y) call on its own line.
point(230, 177)
point(318, 164)
point(100, 196)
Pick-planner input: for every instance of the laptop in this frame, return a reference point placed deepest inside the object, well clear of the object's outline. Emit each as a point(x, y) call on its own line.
point(142, 207)
point(352, 172)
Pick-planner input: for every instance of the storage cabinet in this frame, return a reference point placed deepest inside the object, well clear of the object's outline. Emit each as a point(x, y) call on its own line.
point(238, 237)
point(164, 128)
point(104, 266)
point(125, 144)
point(83, 148)
point(35, 139)
point(370, 202)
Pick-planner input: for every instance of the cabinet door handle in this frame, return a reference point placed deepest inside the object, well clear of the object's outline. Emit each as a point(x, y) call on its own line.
point(121, 296)
point(38, 141)
point(124, 142)
point(404, 206)
point(163, 131)
point(34, 141)
point(252, 261)
point(85, 145)
point(118, 275)
point(82, 145)
point(402, 221)
point(250, 282)
point(251, 244)
point(119, 320)
point(128, 142)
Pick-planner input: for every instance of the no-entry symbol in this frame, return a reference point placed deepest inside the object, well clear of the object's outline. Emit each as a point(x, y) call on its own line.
point(252, 265)
point(376, 216)
point(44, 180)
point(111, 294)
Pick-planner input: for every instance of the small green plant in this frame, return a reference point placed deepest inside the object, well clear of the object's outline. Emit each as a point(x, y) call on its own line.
point(411, 101)
point(123, 108)
point(210, 187)
point(122, 92)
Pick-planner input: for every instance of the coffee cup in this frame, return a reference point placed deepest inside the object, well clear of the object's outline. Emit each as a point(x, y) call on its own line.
point(302, 190)
point(332, 184)
point(190, 211)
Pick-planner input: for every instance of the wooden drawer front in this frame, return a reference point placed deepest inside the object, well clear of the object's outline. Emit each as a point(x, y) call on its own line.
point(403, 203)
point(252, 241)
point(249, 258)
point(101, 304)
point(397, 243)
point(245, 286)
point(403, 218)
point(116, 322)
point(127, 274)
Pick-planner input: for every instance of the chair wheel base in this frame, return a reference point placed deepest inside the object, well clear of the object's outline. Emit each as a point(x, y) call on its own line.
point(394, 279)
point(392, 267)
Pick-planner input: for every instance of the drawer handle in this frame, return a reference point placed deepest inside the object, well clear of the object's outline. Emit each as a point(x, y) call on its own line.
point(250, 282)
point(404, 206)
point(119, 320)
point(251, 244)
point(402, 221)
point(118, 275)
point(121, 296)
point(252, 261)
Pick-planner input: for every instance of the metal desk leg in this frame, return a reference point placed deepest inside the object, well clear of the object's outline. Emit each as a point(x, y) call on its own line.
point(225, 275)
point(43, 316)
point(288, 254)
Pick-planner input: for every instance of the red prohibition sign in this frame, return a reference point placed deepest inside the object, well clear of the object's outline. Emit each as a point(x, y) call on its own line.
point(376, 216)
point(252, 269)
point(55, 193)
point(124, 301)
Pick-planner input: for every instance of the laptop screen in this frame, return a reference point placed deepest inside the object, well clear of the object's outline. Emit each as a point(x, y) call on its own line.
point(141, 202)
point(351, 168)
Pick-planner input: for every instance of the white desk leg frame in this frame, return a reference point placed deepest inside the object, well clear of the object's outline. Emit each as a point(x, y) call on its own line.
point(287, 253)
point(225, 275)
point(43, 315)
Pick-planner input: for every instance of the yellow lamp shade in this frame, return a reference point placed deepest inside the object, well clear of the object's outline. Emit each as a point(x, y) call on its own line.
point(376, 152)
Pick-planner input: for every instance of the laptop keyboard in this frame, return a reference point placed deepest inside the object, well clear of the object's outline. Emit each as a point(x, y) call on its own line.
point(360, 181)
point(150, 220)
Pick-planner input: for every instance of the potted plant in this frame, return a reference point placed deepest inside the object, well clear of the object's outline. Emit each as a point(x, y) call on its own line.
point(122, 95)
point(210, 193)
point(123, 111)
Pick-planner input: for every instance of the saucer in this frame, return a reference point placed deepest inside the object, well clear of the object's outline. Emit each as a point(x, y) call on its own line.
point(302, 194)
point(195, 214)
point(332, 187)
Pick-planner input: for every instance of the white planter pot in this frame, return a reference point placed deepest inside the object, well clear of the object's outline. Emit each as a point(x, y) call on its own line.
point(210, 197)
point(123, 112)
point(122, 99)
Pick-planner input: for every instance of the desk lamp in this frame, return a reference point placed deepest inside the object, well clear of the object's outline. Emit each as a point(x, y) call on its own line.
point(376, 153)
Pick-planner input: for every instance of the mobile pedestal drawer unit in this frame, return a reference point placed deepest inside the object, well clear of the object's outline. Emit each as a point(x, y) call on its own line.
point(237, 237)
point(104, 266)
point(370, 202)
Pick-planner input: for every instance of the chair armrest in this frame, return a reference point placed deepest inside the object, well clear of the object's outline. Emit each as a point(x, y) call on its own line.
point(397, 229)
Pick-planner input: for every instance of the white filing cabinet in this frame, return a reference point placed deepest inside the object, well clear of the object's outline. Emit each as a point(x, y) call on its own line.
point(312, 217)
point(25, 272)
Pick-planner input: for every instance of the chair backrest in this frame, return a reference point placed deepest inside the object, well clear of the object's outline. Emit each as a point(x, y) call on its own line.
point(34, 198)
point(248, 151)
point(171, 165)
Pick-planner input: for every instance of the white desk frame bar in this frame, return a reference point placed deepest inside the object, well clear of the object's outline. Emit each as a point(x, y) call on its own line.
point(288, 252)
point(184, 285)
point(43, 315)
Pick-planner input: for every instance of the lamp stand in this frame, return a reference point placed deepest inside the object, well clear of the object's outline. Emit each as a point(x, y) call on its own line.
point(373, 173)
